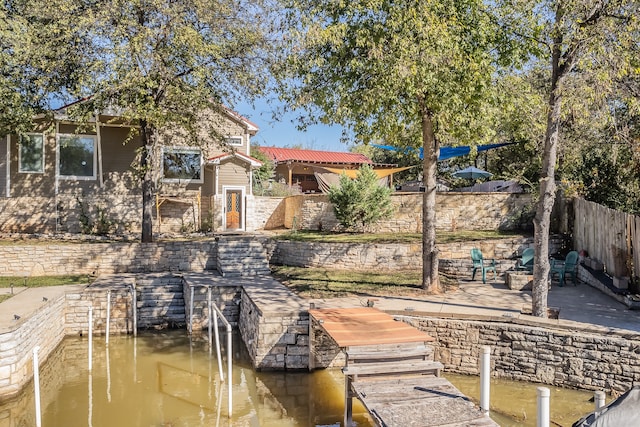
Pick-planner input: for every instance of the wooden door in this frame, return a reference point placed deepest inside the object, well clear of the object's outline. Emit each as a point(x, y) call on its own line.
point(234, 209)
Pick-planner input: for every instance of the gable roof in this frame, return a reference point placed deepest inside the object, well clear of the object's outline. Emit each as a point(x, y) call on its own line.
point(294, 155)
point(216, 160)
point(251, 127)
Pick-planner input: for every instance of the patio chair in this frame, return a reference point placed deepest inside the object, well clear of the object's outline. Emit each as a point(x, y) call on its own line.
point(479, 263)
point(526, 260)
point(569, 265)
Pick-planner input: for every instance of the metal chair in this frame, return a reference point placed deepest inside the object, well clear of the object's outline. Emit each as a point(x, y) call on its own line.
point(569, 265)
point(478, 263)
point(526, 260)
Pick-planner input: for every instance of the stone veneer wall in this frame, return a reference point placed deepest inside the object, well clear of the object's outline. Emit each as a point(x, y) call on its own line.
point(268, 213)
point(275, 340)
point(44, 328)
point(536, 351)
point(456, 211)
point(224, 297)
point(398, 256)
point(106, 258)
point(76, 318)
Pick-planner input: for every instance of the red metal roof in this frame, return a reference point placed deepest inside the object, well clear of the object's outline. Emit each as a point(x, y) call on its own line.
point(282, 155)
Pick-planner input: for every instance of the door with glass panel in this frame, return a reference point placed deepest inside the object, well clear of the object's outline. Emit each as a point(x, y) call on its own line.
point(233, 209)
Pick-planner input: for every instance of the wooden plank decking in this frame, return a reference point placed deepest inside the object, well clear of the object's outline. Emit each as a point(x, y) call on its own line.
point(417, 402)
point(390, 369)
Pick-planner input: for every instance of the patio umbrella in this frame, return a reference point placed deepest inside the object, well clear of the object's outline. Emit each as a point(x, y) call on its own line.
point(471, 173)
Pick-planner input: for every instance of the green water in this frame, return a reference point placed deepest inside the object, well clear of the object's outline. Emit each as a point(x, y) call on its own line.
point(165, 379)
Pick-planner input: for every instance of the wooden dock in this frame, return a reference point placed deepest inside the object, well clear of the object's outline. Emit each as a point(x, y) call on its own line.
point(390, 369)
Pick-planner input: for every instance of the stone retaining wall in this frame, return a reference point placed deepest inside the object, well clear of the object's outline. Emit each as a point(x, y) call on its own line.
point(45, 328)
point(276, 338)
point(106, 258)
point(399, 256)
point(536, 351)
point(224, 297)
point(76, 320)
point(456, 211)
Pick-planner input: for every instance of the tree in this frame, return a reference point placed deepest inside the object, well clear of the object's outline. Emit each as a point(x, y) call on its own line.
point(263, 176)
point(40, 59)
point(360, 202)
point(163, 65)
point(419, 70)
point(580, 36)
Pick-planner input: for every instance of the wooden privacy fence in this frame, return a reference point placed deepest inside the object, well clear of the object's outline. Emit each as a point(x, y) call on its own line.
point(611, 236)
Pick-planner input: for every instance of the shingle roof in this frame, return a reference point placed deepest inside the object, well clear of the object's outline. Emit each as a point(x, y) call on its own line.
point(283, 155)
point(217, 159)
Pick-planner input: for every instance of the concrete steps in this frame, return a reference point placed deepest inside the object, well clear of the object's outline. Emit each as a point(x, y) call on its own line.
point(160, 303)
point(242, 256)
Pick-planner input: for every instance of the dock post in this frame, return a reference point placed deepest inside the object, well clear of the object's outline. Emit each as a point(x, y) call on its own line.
point(348, 402)
point(599, 399)
point(543, 407)
point(36, 385)
point(108, 317)
point(485, 378)
point(90, 333)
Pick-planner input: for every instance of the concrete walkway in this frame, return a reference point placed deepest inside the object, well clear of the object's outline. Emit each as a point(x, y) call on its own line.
point(580, 305)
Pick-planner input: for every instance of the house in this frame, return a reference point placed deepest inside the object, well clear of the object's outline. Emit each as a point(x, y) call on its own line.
point(66, 178)
point(314, 171)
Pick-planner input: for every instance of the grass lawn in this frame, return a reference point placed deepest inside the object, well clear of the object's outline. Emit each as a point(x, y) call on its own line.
point(441, 236)
point(327, 283)
point(40, 281)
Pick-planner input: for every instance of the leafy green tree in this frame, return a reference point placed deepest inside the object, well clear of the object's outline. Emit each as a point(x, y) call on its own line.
point(40, 61)
point(420, 71)
point(360, 202)
point(163, 65)
point(265, 173)
point(588, 46)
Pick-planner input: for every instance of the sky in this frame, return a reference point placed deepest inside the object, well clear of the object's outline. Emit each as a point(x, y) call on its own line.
point(283, 132)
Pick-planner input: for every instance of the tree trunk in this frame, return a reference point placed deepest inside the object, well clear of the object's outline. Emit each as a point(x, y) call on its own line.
point(147, 166)
point(431, 149)
point(542, 220)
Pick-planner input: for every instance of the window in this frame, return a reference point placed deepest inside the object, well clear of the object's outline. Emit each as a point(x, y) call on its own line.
point(182, 164)
point(77, 156)
point(31, 153)
point(234, 140)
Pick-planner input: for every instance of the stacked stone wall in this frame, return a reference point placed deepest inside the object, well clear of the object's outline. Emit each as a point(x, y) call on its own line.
point(76, 320)
point(399, 256)
point(45, 328)
point(225, 297)
point(268, 213)
point(536, 352)
point(106, 258)
point(456, 211)
point(274, 340)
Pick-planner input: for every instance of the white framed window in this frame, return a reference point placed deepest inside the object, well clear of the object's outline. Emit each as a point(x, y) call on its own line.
point(31, 153)
point(182, 164)
point(235, 141)
point(77, 157)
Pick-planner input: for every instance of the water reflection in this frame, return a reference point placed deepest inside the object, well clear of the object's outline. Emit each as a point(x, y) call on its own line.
point(167, 379)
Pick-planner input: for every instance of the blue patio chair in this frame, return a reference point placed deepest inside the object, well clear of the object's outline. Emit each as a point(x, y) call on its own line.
point(526, 260)
point(479, 263)
point(568, 266)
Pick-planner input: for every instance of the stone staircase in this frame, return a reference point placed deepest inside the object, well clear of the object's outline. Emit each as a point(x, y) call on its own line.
point(160, 302)
point(242, 256)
